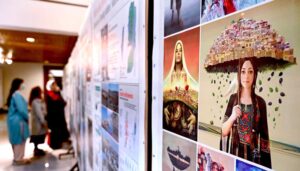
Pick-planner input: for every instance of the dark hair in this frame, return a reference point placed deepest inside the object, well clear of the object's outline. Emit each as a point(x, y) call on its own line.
point(181, 44)
point(253, 95)
point(255, 70)
point(36, 92)
point(15, 85)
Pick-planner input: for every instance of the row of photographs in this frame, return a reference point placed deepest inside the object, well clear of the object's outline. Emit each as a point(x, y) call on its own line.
point(100, 148)
point(119, 117)
point(182, 154)
point(180, 15)
point(203, 71)
point(113, 157)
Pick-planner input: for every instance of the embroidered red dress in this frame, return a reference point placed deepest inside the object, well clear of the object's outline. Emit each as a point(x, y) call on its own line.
point(249, 139)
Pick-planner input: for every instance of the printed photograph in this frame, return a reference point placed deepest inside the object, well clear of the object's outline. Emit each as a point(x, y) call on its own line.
point(104, 53)
point(180, 89)
point(104, 94)
point(113, 97)
point(180, 15)
point(178, 153)
point(110, 122)
point(248, 74)
point(213, 160)
point(110, 156)
point(243, 166)
point(213, 9)
point(90, 143)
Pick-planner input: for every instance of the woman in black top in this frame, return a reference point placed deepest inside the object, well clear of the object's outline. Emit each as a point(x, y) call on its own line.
point(56, 117)
point(245, 119)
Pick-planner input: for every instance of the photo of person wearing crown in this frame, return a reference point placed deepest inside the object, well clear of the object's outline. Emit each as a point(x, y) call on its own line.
point(180, 104)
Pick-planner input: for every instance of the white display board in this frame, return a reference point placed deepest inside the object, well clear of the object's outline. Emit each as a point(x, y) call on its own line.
point(105, 86)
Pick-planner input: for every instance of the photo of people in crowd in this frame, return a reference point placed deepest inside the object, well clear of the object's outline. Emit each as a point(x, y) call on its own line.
point(213, 9)
point(212, 160)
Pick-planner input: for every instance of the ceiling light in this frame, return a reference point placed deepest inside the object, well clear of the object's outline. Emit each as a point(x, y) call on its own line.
point(30, 39)
point(56, 72)
point(6, 58)
point(9, 54)
point(8, 61)
point(1, 58)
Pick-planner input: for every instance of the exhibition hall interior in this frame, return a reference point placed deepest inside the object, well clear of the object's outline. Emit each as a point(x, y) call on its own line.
point(149, 85)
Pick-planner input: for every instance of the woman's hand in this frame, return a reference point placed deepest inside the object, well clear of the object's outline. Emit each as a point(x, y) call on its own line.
point(226, 127)
point(236, 113)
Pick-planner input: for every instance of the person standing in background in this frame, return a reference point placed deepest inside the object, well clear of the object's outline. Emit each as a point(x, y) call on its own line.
point(38, 122)
point(56, 116)
point(17, 121)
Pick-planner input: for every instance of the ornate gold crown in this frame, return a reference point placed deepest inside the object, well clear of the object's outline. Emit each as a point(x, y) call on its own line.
point(189, 97)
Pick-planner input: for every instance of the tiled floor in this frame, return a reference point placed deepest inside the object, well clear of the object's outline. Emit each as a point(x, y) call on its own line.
point(50, 162)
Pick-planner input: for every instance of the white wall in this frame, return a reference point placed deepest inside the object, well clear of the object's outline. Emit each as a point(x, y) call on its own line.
point(31, 73)
point(39, 15)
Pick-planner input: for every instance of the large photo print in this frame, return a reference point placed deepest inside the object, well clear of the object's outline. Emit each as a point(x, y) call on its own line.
point(248, 80)
point(180, 90)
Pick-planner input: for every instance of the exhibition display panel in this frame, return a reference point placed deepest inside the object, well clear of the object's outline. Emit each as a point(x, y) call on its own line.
point(225, 75)
point(228, 98)
point(105, 87)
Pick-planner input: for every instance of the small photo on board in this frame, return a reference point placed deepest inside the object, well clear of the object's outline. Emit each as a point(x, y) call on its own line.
point(213, 9)
point(104, 53)
point(243, 166)
point(178, 153)
point(110, 156)
point(104, 95)
point(209, 159)
point(180, 15)
point(90, 143)
point(113, 97)
point(110, 122)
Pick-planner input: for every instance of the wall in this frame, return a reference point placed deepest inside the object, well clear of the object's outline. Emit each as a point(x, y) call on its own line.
point(32, 73)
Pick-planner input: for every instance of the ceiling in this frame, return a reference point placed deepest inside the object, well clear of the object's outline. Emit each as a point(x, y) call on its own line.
point(82, 3)
point(54, 24)
point(47, 48)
